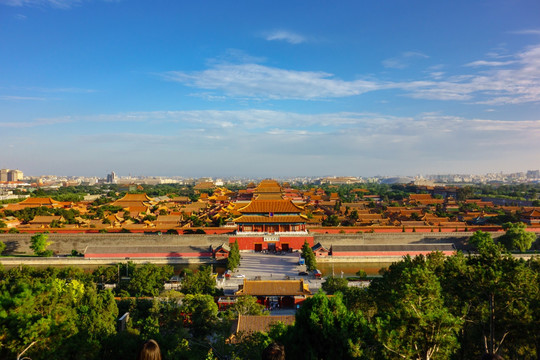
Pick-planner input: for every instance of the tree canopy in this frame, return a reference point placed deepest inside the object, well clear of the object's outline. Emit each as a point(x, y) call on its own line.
point(39, 244)
point(517, 237)
point(309, 256)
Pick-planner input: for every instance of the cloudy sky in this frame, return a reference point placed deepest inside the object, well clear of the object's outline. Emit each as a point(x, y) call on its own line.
point(269, 88)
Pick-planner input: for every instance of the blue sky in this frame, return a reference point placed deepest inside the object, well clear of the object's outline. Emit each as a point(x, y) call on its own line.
point(269, 88)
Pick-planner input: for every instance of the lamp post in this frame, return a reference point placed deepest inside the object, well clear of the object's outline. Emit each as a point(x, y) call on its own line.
point(28, 347)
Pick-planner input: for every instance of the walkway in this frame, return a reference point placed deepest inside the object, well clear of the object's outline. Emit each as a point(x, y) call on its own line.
point(268, 267)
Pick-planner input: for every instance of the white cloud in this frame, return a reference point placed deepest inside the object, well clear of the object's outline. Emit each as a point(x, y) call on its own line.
point(259, 81)
point(21, 98)
point(60, 4)
point(489, 63)
point(394, 63)
point(403, 60)
point(526, 32)
point(414, 54)
point(518, 82)
point(284, 35)
point(280, 122)
point(37, 122)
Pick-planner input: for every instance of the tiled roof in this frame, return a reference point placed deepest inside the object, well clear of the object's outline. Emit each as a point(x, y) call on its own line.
point(46, 219)
point(193, 207)
point(532, 213)
point(420, 197)
point(412, 223)
point(270, 206)
point(168, 219)
point(204, 185)
point(268, 183)
point(254, 219)
point(224, 246)
point(269, 196)
point(319, 246)
point(268, 189)
point(31, 202)
point(274, 288)
point(135, 197)
point(369, 216)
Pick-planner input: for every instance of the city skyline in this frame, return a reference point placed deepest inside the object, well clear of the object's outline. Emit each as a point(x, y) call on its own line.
point(269, 90)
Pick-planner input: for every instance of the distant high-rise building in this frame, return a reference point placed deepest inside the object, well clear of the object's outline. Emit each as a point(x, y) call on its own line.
point(4, 174)
point(111, 178)
point(15, 175)
point(533, 174)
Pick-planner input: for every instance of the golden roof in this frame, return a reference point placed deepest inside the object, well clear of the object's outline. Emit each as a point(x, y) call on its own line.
point(257, 219)
point(274, 288)
point(270, 206)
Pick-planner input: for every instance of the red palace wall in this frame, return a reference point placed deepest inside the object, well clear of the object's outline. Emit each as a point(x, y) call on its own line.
point(386, 253)
point(248, 242)
point(149, 255)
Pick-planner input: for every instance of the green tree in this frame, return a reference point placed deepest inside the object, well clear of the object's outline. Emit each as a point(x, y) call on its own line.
point(200, 312)
point(2, 247)
point(247, 305)
point(418, 325)
point(67, 319)
point(480, 240)
point(334, 284)
point(309, 256)
point(354, 215)
point(233, 261)
point(199, 282)
point(39, 244)
point(325, 329)
point(517, 237)
point(106, 275)
point(149, 279)
point(465, 192)
point(331, 220)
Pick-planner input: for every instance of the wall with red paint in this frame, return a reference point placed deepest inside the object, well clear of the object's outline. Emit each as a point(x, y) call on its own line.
point(248, 242)
point(385, 253)
point(149, 255)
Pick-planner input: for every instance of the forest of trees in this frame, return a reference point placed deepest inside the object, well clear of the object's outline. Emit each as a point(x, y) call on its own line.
point(428, 307)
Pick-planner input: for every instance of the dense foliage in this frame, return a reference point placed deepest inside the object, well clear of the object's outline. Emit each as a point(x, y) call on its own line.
point(428, 307)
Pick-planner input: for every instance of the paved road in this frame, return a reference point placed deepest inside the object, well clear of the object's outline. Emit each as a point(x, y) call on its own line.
point(268, 267)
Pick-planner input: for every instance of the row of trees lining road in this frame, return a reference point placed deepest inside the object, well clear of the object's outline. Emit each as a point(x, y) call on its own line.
point(309, 256)
point(515, 238)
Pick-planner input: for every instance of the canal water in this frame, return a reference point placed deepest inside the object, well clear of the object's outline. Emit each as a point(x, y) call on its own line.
point(351, 268)
point(327, 268)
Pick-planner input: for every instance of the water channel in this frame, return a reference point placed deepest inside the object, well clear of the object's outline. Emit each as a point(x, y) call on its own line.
point(327, 268)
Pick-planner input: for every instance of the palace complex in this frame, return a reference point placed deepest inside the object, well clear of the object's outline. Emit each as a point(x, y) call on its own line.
point(270, 212)
point(266, 217)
